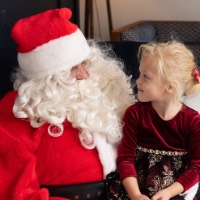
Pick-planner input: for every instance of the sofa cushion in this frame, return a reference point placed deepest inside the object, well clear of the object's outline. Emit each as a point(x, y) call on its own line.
point(195, 48)
point(182, 31)
point(144, 32)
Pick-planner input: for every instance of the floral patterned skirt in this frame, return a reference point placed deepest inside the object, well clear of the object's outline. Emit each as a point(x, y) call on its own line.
point(156, 170)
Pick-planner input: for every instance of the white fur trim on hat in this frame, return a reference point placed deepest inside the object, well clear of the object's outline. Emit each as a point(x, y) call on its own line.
point(59, 54)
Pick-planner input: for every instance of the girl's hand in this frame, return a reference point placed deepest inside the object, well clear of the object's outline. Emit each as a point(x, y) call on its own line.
point(169, 192)
point(132, 188)
point(161, 195)
point(140, 197)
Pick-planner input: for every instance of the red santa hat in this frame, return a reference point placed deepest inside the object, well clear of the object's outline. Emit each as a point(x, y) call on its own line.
point(48, 42)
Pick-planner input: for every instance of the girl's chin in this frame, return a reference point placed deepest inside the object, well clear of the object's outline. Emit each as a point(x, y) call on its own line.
point(142, 99)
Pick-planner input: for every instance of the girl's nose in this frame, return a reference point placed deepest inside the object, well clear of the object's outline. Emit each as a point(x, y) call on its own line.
point(138, 81)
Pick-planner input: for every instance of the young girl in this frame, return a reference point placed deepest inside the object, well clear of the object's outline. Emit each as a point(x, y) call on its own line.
point(159, 154)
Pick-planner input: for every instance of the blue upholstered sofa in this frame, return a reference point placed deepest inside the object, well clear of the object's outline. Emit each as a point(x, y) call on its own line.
point(187, 32)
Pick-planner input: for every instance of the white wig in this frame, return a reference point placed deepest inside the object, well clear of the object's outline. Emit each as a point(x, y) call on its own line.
point(93, 105)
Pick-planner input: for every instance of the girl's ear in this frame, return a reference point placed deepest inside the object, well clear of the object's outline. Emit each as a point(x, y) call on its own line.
point(169, 88)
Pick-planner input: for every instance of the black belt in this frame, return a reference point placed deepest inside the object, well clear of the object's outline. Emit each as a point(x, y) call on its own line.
point(85, 191)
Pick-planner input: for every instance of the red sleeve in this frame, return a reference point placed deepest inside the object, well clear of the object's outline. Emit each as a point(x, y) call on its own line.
point(17, 170)
point(192, 174)
point(128, 145)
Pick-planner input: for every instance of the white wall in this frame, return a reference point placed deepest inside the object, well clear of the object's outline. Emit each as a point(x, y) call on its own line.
point(129, 11)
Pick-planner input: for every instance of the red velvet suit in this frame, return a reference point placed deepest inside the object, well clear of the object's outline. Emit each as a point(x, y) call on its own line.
point(31, 157)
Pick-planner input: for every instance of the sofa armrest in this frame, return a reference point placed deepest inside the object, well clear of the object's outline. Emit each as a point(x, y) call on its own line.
point(116, 33)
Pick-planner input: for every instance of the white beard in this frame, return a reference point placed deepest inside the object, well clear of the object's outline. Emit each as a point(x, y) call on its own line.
point(95, 105)
point(98, 105)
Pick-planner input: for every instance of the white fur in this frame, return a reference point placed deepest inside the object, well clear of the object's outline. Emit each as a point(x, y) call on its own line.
point(193, 102)
point(190, 194)
point(107, 153)
point(59, 54)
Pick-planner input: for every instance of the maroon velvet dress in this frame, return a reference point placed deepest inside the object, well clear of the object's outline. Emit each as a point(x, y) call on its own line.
point(159, 152)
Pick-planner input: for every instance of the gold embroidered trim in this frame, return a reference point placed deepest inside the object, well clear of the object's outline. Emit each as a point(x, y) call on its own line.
point(162, 152)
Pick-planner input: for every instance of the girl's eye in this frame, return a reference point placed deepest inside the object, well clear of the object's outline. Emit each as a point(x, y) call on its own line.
point(145, 76)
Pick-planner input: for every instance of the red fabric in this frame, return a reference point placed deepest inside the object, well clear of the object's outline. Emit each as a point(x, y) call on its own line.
point(31, 157)
point(30, 33)
point(144, 127)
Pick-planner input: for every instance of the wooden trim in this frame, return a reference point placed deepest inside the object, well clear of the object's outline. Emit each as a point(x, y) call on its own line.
point(89, 29)
point(110, 24)
point(89, 18)
point(116, 33)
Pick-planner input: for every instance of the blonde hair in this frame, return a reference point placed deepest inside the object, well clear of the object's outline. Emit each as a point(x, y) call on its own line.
point(94, 105)
point(175, 64)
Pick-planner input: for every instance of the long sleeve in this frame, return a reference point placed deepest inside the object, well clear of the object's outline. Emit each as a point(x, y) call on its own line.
point(192, 174)
point(17, 171)
point(127, 146)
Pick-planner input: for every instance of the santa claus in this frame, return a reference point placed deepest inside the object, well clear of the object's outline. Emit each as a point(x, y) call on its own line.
point(60, 128)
